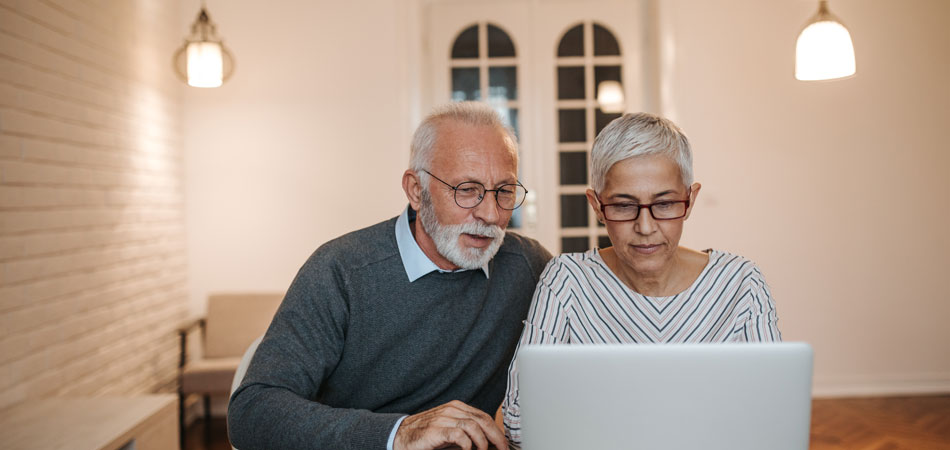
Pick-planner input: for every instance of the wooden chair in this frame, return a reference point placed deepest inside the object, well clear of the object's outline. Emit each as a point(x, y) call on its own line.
point(232, 323)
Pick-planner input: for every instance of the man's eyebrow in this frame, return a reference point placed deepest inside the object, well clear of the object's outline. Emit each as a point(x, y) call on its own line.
point(513, 180)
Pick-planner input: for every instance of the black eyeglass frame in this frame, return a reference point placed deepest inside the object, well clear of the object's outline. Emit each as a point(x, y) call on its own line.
point(455, 191)
point(649, 206)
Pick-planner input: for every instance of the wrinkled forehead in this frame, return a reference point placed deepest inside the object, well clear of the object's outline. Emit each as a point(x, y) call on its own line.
point(463, 141)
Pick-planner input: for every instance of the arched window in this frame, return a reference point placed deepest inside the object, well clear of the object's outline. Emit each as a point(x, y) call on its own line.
point(587, 55)
point(484, 67)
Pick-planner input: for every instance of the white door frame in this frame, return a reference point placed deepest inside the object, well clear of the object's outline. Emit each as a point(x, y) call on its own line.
point(535, 27)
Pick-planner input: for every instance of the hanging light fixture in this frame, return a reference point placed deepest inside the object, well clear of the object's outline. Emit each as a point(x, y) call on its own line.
point(824, 50)
point(610, 97)
point(203, 61)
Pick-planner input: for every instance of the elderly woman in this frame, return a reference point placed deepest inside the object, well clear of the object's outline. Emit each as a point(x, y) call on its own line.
point(646, 288)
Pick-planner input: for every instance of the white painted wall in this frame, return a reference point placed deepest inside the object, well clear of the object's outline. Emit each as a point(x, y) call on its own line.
point(837, 189)
point(800, 177)
point(306, 142)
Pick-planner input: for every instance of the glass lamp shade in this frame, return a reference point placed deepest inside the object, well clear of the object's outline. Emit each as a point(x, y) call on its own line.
point(203, 61)
point(205, 64)
point(824, 50)
point(610, 97)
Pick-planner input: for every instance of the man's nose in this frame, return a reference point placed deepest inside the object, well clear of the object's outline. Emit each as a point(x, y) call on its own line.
point(488, 210)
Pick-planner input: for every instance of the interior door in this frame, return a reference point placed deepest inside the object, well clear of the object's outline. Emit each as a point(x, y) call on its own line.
point(536, 28)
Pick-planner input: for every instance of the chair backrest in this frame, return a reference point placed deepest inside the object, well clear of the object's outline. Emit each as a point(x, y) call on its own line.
point(245, 361)
point(235, 320)
point(242, 366)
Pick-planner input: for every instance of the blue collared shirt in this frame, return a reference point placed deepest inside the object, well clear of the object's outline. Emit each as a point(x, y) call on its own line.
point(417, 265)
point(416, 262)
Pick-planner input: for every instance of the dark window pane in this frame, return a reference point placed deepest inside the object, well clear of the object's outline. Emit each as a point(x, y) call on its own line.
point(574, 168)
point(605, 43)
point(574, 244)
point(509, 116)
point(466, 44)
point(499, 43)
point(515, 221)
point(605, 73)
point(570, 82)
point(572, 43)
point(603, 242)
point(503, 83)
point(602, 119)
point(573, 210)
point(512, 121)
point(465, 84)
point(572, 125)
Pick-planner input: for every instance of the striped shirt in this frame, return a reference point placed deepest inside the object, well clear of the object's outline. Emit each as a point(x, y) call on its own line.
point(579, 300)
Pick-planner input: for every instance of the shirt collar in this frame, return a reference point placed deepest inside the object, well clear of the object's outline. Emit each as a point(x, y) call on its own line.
point(416, 262)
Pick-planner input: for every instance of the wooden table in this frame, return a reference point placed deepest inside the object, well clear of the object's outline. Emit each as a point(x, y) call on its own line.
point(146, 422)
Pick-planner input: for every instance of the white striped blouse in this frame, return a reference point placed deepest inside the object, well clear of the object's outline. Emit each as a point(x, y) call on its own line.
point(579, 300)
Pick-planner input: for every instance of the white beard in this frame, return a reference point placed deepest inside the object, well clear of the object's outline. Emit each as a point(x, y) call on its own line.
point(446, 237)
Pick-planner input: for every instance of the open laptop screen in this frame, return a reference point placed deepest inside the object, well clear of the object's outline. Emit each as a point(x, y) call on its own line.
point(666, 396)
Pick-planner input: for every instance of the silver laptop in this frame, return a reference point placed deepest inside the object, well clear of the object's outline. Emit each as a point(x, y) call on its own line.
point(666, 397)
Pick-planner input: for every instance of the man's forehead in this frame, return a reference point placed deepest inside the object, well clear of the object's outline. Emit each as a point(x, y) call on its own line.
point(458, 138)
point(453, 127)
point(475, 161)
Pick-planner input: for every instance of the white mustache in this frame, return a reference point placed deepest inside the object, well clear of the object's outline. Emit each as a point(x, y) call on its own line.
point(479, 228)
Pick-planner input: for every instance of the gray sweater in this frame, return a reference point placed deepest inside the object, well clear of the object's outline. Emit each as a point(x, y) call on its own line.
point(354, 345)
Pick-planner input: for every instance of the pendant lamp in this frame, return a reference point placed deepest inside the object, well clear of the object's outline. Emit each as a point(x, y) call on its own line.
point(824, 50)
point(203, 60)
point(610, 97)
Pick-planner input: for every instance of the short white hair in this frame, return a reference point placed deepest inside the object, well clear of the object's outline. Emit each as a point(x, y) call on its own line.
point(422, 148)
point(639, 134)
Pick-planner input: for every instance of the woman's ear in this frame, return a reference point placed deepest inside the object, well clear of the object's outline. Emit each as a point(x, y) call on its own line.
point(693, 195)
point(595, 204)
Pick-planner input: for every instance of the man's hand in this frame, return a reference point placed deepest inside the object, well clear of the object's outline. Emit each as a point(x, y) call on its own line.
point(452, 423)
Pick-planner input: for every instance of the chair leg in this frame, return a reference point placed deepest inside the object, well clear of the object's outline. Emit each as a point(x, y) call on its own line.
point(181, 420)
point(207, 419)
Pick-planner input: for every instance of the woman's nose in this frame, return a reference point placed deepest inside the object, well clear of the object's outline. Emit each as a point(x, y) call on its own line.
point(645, 223)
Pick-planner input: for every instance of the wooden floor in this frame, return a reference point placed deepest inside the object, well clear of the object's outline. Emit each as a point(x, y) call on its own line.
point(880, 423)
point(195, 436)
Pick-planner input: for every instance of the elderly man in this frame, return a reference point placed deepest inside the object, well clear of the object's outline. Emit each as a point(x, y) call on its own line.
point(398, 336)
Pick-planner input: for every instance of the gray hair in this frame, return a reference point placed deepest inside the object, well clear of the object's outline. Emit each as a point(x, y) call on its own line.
point(422, 148)
point(639, 134)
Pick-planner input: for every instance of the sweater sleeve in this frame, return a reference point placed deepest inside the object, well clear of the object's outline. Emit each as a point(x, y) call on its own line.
point(275, 406)
point(546, 323)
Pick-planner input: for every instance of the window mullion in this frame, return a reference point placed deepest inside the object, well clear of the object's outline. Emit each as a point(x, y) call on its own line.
point(483, 59)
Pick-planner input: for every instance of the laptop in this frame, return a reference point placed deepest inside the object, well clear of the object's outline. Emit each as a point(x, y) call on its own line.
point(666, 396)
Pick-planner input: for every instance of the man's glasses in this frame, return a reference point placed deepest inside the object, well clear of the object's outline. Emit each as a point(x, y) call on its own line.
point(470, 194)
point(662, 210)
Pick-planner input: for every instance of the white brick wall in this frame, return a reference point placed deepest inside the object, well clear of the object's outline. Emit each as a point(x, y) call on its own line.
point(92, 245)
